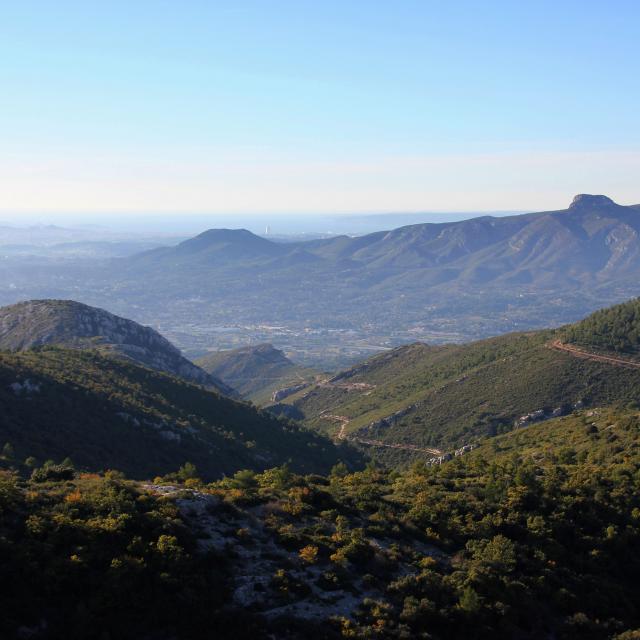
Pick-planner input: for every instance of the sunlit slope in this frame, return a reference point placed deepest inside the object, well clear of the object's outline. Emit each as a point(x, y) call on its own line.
point(452, 395)
point(613, 330)
point(255, 371)
point(600, 437)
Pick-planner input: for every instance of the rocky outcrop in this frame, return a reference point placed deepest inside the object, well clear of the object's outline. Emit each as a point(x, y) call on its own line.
point(387, 421)
point(544, 414)
point(281, 394)
point(67, 323)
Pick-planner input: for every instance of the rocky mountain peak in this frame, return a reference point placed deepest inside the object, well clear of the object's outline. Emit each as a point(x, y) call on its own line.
point(588, 201)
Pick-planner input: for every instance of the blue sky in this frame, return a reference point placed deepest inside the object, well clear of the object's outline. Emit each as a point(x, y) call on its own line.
point(349, 106)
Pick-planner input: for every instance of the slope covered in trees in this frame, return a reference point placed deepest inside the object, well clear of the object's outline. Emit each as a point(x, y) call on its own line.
point(449, 396)
point(110, 413)
point(535, 534)
point(615, 329)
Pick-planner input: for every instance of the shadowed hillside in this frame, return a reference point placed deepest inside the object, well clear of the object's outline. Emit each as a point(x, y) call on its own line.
point(533, 535)
point(109, 413)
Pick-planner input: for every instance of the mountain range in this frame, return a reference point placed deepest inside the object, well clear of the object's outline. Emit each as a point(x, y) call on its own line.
point(336, 300)
point(594, 240)
point(442, 282)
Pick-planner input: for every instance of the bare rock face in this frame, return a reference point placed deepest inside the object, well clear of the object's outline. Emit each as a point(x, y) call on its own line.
point(589, 201)
point(67, 323)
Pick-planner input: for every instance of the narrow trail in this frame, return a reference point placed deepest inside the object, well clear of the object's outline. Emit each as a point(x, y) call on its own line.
point(587, 355)
point(377, 443)
point(403, 447)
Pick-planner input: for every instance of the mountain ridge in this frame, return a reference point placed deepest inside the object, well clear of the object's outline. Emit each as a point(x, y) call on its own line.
point(341, 245)
point(592, 242)
point(337, 299)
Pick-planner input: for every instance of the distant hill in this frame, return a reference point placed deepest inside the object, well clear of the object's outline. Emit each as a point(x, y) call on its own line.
point(449, 396)
point(255, 371)
point(215, 246)
point(107, 412)
point(35, 323)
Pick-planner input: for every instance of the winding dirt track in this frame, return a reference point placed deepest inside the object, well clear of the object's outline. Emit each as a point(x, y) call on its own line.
point(402, 447)
point(378, 443)
point(587, 355)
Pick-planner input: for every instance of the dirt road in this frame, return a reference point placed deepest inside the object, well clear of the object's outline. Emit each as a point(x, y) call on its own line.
point(378, 443)
point(587, 355)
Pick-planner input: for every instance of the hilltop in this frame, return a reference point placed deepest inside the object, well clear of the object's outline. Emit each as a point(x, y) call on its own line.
point(35, 323)
point(215, 246)
point(255, 371)
point(110, 413)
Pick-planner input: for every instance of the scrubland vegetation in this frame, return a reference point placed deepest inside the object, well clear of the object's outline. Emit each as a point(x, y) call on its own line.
point(534, 534)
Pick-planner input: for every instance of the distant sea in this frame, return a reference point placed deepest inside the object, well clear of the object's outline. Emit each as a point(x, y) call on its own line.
point(276, 225)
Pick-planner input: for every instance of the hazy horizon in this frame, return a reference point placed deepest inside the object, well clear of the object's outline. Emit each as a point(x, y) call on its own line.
point(305, 109)
point(260, 223)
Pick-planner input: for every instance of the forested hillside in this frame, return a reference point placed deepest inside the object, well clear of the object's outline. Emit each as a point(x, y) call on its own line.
point(109, 413)
point(615, 329)
point(533, 535)
point(449, 396)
